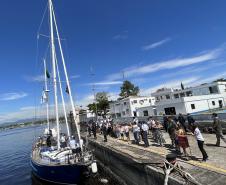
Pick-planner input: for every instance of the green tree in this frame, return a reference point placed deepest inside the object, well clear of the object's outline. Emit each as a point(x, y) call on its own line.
point(128, 89)
point(101, 105)
point(92, 107)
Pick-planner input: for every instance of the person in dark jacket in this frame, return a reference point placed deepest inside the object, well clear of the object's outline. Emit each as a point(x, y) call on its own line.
point(105, 131)
point(191, 121)
point(94, 129)
point(89, 127)
point(165, 122)
point(218, 129)
point(182, 121)
point(172, 131)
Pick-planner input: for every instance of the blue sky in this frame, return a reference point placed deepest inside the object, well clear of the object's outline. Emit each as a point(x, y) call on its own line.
point(154, 43)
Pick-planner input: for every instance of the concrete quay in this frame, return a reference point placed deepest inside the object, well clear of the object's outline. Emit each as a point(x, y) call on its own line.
point(136, 165)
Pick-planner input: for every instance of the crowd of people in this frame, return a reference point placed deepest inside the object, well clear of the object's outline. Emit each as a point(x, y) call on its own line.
point(65, 142)
point(175, 126)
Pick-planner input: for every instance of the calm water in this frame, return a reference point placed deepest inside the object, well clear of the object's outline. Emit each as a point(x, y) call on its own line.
point(15, 148)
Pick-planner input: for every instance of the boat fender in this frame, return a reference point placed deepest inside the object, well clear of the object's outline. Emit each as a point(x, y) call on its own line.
point(104, 181)
point(94, 167)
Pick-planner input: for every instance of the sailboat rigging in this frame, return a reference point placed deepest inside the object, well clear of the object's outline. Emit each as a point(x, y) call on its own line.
point(53, 158)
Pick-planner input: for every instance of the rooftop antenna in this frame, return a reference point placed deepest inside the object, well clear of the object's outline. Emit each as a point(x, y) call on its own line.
point(123, 75)
point(92, 74)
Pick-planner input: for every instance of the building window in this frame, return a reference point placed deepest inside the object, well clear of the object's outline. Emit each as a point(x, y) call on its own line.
point(161, 97)
point(118, 115)
point(213, 102)
point(220, 103)
point(124, 103)
point(145, 113)
point(176, 95)
point(182, 95)
point(141, 102)
point(167, 96)
point(117, 104)
point(149, 100)
point(134, 101)
point(192, 106)
point(213, 89)
point(157, 98)
point(188, 93)
point(123, 113)
point(134, 113)
point(127, 111)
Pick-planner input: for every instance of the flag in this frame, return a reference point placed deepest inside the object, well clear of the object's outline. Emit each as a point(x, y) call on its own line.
point(182, 86)
point(47, 74)
point(44, 98)
point(67, 90)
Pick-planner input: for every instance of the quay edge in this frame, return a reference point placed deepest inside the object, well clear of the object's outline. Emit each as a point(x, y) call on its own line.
point(130, 171)
point(135, 166)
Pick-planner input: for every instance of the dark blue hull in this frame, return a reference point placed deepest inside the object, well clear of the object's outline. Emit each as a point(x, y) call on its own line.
point(61, 174)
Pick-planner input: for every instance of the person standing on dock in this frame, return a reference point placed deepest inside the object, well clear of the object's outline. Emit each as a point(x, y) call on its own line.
point(152, 124)
point(89, 128)
point(145, 129)
point(200, 141)
point(165, 122)
point(94, 129)
point(172, 131)
point(182, 140)
point(158, 133)
point(127, 133)
point(136, 131)
point(218, 129)
point(105, 130)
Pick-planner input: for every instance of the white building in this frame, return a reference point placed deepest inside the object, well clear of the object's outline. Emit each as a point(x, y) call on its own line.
point(85, 114)
point(127, 107)
point(191, 100)
point(146, 111)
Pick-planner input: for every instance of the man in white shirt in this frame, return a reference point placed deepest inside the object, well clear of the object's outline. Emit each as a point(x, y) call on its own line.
point(72, 143)
point(200, 141)
point(63, 141)
point(145, 129)
point(126, 128)
point(136, 131)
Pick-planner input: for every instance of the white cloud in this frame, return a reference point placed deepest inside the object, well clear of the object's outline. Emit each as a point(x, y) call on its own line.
point(12, 96)
point(103, 83)
point(38, 78)
point(170, 84)
point(191, 82)
point(156, 44)
point(121, 36)
point(30, 112)
point(75, 76)
point(169, 64)
point(210, 78)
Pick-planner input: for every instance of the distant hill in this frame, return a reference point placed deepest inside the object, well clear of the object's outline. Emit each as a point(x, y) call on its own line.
point(17, 122)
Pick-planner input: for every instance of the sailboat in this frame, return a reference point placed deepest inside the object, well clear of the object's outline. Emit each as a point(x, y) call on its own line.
point(55, 158)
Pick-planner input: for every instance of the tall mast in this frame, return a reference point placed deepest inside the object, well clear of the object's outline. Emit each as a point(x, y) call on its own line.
point(62, 97)
point(67, 81)
point(54, 71)
point(46, 91)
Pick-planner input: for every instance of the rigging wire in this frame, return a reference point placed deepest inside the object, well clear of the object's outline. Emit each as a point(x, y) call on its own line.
point(43, 16)
point(36, 67)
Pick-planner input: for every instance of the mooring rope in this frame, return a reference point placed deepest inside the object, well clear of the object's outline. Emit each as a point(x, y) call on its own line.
point(168, 168)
